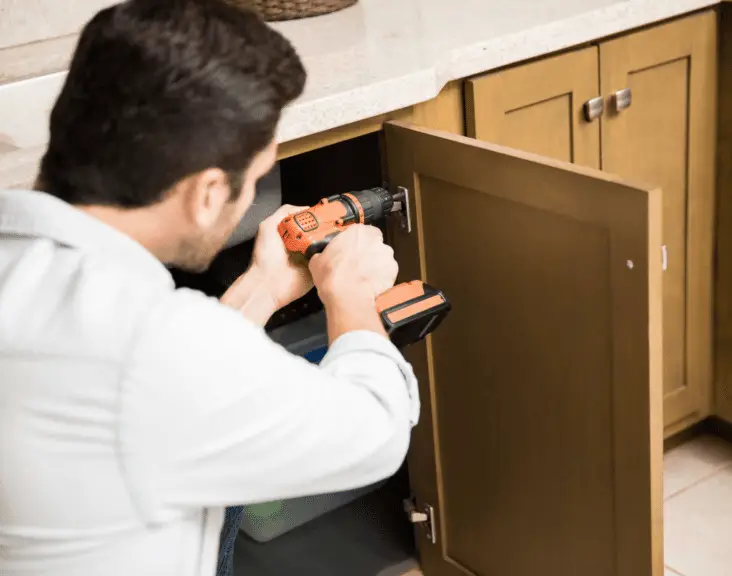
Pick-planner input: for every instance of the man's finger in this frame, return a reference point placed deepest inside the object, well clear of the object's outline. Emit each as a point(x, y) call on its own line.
point(375, 232)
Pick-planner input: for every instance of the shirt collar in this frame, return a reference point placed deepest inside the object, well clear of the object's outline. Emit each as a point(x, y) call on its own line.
point(30, 213)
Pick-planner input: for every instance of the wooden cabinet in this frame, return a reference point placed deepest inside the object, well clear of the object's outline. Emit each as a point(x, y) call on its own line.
point(665, 136)
point(539, 448)
point(540, 443)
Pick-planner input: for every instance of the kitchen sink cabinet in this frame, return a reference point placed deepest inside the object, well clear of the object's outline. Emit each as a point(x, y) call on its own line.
point(539, 447)
point(643, 106)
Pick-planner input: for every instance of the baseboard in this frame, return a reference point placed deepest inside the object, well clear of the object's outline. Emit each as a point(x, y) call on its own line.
point(720, 428)
point(713, 425)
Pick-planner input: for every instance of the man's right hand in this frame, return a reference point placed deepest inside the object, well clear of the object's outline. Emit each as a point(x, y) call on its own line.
point(349, 274)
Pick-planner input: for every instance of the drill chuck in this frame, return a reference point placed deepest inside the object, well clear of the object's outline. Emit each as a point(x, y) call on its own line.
point(366, 206)
point(376, 203)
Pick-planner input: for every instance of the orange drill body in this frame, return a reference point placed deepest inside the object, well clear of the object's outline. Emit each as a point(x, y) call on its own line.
point(313, 227)
point(309, 232)
point(410, 310)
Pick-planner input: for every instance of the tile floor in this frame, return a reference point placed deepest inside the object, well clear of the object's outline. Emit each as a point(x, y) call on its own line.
point(698, 508)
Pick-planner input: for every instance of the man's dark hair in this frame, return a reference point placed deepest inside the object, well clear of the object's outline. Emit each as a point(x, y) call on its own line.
point(161, 89)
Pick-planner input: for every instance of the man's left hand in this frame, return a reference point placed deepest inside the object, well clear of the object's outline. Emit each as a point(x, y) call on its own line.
point(287, 280)
point(273, 280)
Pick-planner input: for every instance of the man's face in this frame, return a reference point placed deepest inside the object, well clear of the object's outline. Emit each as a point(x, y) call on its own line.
point(203, 244)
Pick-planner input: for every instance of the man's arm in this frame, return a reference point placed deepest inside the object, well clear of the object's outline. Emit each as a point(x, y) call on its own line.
point(354, 269)
point(273, 279)
point(252, 297)
point(215, 413)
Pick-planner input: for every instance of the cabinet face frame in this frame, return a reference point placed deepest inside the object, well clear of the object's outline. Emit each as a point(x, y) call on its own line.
point(431, 164)
point(723, 268)
point(684, 50)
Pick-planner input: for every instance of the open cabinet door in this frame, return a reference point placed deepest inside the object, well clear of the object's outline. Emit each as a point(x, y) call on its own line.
point(540, 441)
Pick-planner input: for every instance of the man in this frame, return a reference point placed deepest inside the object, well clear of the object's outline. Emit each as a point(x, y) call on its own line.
point(132, 413)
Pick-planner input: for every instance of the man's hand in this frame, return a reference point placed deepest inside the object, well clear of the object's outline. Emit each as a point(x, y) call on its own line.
point(273, 280)
point(287, 280)
point(350, 273)
point(356, 265)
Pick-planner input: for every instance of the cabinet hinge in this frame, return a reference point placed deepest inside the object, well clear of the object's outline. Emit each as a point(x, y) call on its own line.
point(424, 516)
point(401, 209)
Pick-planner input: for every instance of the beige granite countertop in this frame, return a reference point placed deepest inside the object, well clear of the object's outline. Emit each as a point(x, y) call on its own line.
point(375, 57)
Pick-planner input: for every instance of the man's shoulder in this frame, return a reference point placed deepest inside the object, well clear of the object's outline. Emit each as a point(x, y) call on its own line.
point(188, 321)
point(67, 303)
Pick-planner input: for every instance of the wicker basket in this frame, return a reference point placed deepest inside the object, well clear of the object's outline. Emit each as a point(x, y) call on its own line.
point(276, 10)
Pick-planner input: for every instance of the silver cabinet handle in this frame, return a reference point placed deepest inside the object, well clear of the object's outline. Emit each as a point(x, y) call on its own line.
point(593, 108)
point(622, 99)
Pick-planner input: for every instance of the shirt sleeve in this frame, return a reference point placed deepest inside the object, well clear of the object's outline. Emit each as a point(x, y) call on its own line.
point(213, 413)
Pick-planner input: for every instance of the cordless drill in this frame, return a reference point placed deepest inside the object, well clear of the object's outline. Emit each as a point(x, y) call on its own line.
point(409, 311)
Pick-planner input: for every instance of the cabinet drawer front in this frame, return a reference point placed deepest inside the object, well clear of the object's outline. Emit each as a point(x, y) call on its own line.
point(540, 442)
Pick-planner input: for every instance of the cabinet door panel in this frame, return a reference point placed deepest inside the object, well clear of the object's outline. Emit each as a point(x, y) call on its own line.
point(667, 137)
point(537, 107)
point(540, 443)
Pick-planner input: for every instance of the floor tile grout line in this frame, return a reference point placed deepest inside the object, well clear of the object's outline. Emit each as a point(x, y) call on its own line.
point(685, 489)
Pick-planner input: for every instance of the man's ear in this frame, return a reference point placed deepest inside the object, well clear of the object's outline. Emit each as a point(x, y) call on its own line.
point(206, 195)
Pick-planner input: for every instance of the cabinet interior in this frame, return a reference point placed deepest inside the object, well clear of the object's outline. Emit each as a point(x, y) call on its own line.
point(367, 537)
point(370, 535)
point(349, 165)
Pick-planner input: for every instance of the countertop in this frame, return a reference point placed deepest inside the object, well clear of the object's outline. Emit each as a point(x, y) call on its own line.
point(383, 55)
point(376, 57)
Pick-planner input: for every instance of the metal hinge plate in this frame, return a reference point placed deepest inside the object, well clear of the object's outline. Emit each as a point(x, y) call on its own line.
point(402, 209)
point(424, 516)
